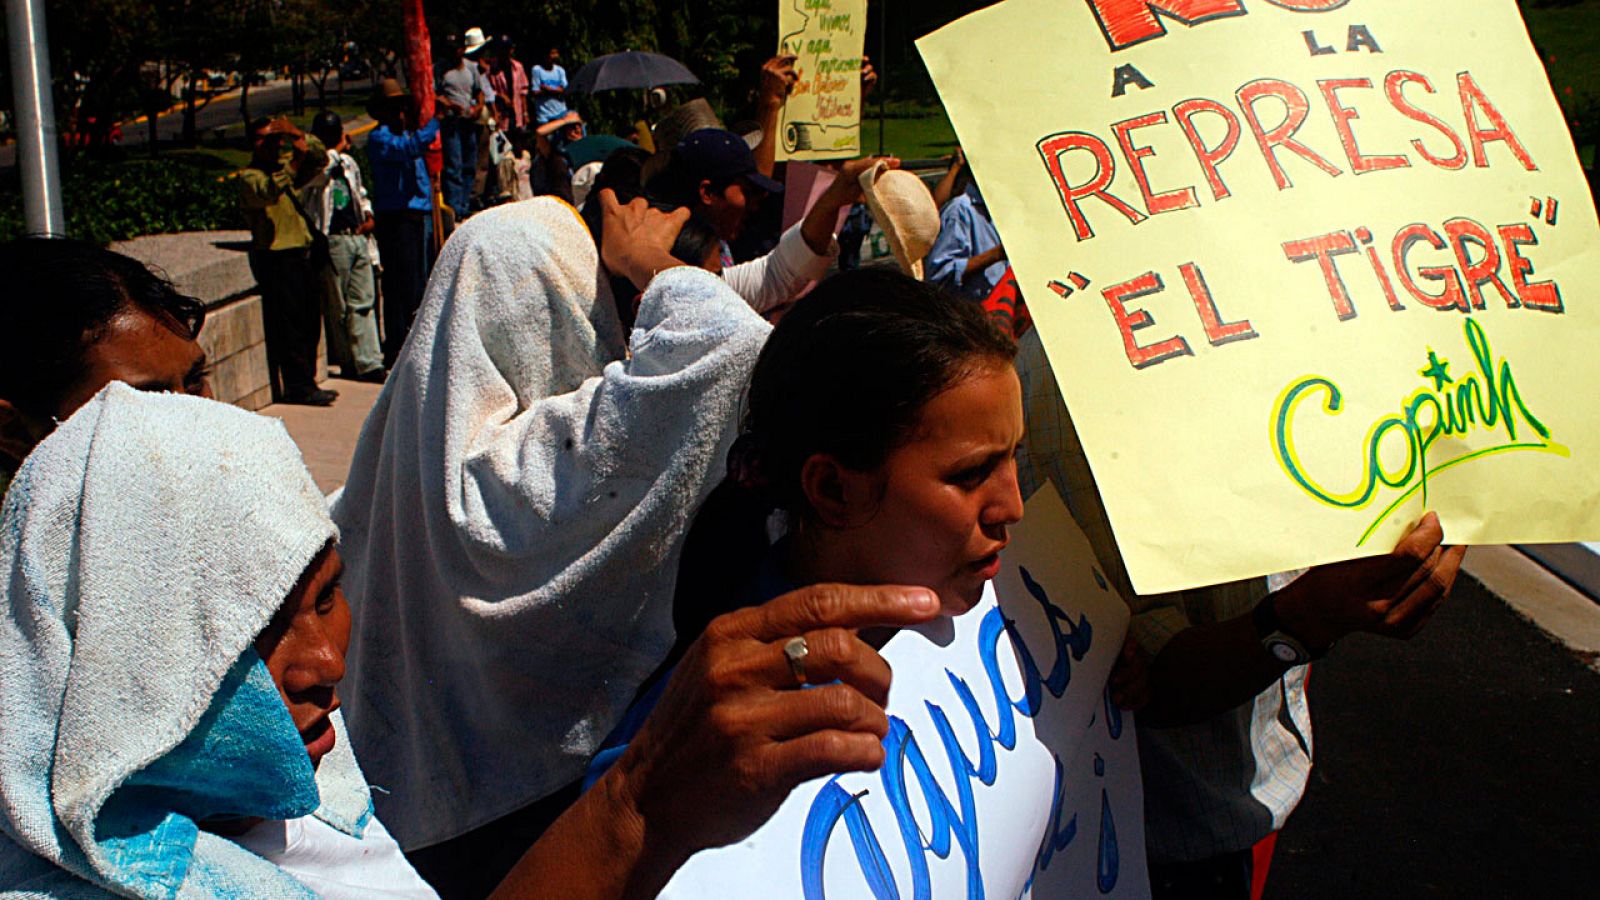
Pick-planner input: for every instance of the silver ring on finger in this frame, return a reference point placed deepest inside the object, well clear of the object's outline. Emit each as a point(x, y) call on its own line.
point(795, 651)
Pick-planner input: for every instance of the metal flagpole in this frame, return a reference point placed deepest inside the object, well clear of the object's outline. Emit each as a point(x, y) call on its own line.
point(883, 64)
point(36, 117)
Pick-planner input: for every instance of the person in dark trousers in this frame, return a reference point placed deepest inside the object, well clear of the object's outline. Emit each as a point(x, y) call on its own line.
point(282, 257)
point(402, 208)
point(462, 92)
point(340, 207)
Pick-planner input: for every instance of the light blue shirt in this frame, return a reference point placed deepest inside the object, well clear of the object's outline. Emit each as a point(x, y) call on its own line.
point(964, 232)
point(399, 174)
point(552, 107)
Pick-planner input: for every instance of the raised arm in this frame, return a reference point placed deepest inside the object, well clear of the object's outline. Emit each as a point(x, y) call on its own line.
point(805, 251)
point(946, 188)
point(777, 80)
point(405, 146)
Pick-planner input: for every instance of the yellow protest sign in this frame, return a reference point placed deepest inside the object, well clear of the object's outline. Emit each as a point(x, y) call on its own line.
point(1304, 268)
point(822, 119)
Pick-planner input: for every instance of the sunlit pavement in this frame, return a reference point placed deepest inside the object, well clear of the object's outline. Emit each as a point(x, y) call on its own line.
point(327, 435)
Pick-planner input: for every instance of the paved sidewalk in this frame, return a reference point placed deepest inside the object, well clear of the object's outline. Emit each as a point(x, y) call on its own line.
point(327, 435)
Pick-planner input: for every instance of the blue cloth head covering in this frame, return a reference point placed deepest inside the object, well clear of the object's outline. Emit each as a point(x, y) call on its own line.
point(243, 760)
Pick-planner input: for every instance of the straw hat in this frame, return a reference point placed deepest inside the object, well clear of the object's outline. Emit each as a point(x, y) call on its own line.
point(903, 207)
point(682, 121)
point(389, 92)
point(474, 40)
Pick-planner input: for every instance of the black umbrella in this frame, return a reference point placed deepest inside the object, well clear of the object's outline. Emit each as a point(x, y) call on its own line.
point(630, 70)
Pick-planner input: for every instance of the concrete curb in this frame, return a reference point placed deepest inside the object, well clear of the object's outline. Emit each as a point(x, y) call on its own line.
point(1536, 595)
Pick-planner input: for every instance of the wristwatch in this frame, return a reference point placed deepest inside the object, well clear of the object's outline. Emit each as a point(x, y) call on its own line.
point(1284, 647)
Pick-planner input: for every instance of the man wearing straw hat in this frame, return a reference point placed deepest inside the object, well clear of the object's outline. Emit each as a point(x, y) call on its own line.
point(463, 91)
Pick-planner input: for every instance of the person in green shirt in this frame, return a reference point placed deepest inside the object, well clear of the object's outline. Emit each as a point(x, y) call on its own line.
point(284, 257)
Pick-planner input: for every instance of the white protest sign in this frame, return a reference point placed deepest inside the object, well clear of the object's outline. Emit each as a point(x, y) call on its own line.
point(1009, 774)
point(822, 117)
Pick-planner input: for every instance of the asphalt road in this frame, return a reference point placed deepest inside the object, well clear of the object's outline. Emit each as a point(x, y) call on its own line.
point(1465, 764)
point(265, 100)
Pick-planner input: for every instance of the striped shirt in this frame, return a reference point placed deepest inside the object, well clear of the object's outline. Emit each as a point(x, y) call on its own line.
point(1217, 786)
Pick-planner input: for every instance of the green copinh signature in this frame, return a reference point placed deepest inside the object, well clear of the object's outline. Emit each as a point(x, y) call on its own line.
point(1487, 399)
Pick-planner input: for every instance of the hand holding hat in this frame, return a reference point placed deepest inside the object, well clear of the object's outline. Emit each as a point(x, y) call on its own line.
point(904, 208)
point(848, 182)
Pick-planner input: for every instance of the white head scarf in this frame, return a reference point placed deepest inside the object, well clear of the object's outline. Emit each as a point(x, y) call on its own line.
point(515, 512)
point(146, 543)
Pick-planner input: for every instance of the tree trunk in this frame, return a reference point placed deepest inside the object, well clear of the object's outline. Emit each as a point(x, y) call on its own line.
point(244, 106)
point(189, 109)
point(160, 102)
point(153, 120)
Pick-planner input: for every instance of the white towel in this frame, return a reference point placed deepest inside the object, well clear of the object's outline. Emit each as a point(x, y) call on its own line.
point(515, 511)
point(145, 543)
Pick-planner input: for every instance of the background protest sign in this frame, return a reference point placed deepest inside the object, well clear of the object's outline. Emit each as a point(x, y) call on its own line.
point(1304, 268)
point(822, 118)
point(1009, 773)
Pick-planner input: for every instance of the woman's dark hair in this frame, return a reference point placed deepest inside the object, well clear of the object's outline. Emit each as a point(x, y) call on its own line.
point(63, 294)
point(847, 372)
point(696, 241)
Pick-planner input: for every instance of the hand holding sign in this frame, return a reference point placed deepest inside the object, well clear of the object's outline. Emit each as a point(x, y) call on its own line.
point(734, 733)
point(1331, 266)
point(778, 78)
point(1391, 595)
point(1007, 772)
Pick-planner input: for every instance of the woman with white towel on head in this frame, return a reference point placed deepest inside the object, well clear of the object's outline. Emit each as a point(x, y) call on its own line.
point(167, 667)
point(171, 651)
point(514, 515)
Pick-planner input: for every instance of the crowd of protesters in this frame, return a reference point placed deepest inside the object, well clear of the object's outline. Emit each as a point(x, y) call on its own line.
point(557, 534)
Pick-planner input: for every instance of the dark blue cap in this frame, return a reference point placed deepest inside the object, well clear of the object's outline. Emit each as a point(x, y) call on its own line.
point(712, 154)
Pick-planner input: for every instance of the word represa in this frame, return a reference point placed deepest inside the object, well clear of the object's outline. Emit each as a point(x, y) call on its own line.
point(1273, 112)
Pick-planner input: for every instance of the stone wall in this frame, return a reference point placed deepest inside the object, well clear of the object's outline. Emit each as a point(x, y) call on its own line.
point(213, 266)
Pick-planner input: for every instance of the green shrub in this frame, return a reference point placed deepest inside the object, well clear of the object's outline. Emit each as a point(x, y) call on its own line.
point(109, 201)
